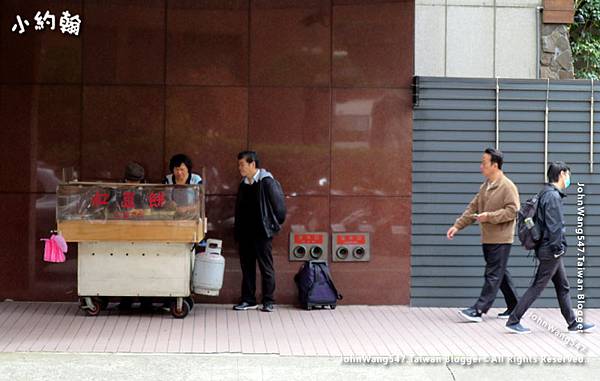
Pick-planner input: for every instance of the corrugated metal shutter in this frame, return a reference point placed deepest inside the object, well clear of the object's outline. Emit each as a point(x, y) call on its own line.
point(454, 121)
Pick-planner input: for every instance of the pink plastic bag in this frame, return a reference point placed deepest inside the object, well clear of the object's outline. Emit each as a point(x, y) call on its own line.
point(54, 249)
point(60, 240)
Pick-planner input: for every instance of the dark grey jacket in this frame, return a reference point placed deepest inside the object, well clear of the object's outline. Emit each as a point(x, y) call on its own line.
point(551, 217)
point(272, 205)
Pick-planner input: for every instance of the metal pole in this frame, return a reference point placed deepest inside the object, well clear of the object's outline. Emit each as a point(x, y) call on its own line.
point(538, 36)
point(592, 129)
point(546, 132)
point(497, 114)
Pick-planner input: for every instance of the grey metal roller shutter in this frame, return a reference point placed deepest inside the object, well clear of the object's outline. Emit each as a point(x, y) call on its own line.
point(454, 121)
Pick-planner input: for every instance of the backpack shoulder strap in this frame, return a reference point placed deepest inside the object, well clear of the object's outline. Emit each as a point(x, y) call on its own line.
point(543, 192)
point(325, 271)
point(539, 197)
point(302, 269)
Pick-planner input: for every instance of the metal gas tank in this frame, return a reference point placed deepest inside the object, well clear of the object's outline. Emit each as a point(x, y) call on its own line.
point(209, 268)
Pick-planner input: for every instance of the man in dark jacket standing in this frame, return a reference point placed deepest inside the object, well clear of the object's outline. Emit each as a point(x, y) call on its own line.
point(552, 248)
point(259, 213)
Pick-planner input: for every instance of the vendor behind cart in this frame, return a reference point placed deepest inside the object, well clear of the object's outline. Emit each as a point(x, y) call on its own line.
point(182, 200)
point(130, 203)
point(134, 173)
point(180, 166)
point(181, 173)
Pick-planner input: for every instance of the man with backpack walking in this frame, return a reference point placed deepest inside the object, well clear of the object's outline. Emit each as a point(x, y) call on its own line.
point(495, 207)
point(550, 249)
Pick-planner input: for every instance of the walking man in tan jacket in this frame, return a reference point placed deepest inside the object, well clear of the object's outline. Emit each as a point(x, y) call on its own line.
point(495, 207)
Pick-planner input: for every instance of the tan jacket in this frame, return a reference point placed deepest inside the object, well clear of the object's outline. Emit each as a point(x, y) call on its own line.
point(501, 202)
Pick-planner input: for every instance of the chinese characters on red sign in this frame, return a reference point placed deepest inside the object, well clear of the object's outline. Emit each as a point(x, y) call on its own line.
point(315, 239)
point(351, 239)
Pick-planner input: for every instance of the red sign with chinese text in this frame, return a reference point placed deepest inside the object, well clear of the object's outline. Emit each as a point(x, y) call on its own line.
point(351, 239)
point(312, 239)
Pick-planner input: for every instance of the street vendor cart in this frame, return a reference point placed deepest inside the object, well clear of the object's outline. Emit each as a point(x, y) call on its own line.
point(134, 240)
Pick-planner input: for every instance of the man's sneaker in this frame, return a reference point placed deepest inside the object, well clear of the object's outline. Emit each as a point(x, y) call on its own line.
point(504, 315)
point(243, 306)
point(267, 307)
point(517, 328)
point(581, 327)
point(470, 314)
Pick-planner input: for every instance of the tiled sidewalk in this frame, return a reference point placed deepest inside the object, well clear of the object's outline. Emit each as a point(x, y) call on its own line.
point(345, 331)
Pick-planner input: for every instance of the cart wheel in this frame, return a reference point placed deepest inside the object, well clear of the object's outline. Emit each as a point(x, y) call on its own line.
point(309, 308)
point(181, 313)
point(92, 311)
point(190, 301)
point(332, 306)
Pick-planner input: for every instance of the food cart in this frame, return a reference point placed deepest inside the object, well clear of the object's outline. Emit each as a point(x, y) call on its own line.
point(134, 240)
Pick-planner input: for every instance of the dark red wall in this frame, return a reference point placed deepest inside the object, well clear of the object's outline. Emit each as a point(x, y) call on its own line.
point(321, 89)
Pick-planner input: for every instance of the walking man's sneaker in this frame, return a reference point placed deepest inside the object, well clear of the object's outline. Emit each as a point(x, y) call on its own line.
point(267, 307)
point(504, 315)
point(470, 314)
point(243, 306)
point(581, 327)
point(517, 328)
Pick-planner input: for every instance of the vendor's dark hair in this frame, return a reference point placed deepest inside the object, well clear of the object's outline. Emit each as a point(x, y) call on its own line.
point(554, 170)
point(179, 159)
point(496, 156)
point(249, 156)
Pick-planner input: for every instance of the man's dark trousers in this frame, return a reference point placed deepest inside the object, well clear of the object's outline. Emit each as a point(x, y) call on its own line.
point(496, 277)
point(252, 250)
point(549, 269)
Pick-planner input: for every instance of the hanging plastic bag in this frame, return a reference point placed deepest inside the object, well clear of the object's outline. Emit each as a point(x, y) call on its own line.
point(60, 240)
point(54, 248)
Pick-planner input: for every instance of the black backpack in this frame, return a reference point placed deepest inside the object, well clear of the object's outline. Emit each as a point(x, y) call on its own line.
point(528, 229)
point(315, 286)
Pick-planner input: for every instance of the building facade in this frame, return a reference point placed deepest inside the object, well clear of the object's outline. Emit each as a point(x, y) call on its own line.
point(320, 88)
point(524, 39)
